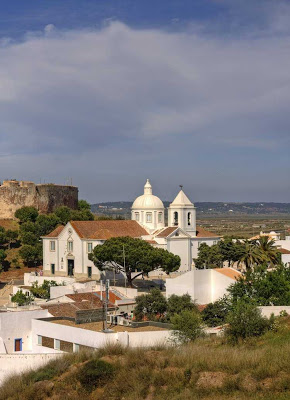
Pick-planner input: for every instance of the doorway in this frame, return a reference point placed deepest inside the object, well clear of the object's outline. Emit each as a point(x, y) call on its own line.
point(70, 267)
point(89, 272)
point(18, 345)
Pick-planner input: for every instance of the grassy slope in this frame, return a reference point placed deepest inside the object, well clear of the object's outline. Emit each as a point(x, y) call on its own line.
point(207, 369)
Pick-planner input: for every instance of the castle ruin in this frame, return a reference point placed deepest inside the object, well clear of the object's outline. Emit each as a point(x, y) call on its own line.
point(44, 197)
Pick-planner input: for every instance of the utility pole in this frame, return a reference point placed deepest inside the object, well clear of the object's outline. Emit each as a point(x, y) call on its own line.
point(106, 305)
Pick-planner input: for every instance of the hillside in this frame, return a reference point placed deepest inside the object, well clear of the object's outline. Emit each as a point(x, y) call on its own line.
point(207, 369)
point(208, 208)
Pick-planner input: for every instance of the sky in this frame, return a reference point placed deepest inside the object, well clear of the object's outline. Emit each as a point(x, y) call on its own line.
point(108, 93)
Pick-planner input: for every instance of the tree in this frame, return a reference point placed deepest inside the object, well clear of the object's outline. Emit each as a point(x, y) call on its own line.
point(26, 214)
point(268, 248)
point(251, 255)
point(187, 326)
point(11, 237)
point(150, 306)
point(22, 299)
point(42, 291)
point(64, 214)
point(208, 257)
point(176, 304)
point(128, 255)
point(46, 224)
point(263, 287)
point(84, 205)
point(29, 238)
point(215, 314)
point(245, 321)
point(3, 255)
point(230, 250)
point(31, 255)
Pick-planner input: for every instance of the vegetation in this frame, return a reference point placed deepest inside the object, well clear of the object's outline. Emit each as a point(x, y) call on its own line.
point(204, 369)
point(249, 253)
point(187, 326)
point(42, 291)
point(215, 314)
point(95, 373)
point(245, 320)
point(21, 298)
point(128, 255)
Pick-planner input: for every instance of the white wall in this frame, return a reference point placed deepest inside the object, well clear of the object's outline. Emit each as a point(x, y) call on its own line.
point(17, 325)
point(203, 285)
point(181, 246)
point(11, 364)
point(268, 310)
point(29, 279)
point(285, 244)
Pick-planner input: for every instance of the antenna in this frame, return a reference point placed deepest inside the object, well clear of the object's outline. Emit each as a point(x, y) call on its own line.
point(181, 186)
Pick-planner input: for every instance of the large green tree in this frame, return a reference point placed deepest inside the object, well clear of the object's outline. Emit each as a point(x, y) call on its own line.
point(26, 214)
point(129, 255)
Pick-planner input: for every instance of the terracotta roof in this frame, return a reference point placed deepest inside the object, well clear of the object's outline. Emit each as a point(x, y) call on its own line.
point(55, 232)
point(112, 296)
point(107, 229)
point(229, 272)
point(283, 251)
point(151, 241)
point(167, 231)
point(201, 232)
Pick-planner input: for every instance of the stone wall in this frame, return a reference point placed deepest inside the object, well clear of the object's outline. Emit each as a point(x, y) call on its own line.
point(44, 197)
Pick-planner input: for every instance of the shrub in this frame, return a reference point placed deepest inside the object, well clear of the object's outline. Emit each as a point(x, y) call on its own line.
point(21, 298)
point(176, 304)
point(187, 326)
point(246, 320)
point(215, 314)
point(95, 373)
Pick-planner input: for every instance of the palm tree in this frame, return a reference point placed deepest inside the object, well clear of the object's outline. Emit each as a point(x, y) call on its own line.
point(268, 248)
point(251, 255)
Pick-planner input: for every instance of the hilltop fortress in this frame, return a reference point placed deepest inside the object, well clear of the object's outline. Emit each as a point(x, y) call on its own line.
point(44, 197)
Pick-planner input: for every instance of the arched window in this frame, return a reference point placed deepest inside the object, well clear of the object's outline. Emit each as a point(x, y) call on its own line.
point(137, 216)
point(148, 217)
point(189, 218)
point(175, 218)
point(160, 217)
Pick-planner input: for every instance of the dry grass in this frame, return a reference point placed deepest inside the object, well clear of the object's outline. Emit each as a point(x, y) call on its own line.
point(207, 370)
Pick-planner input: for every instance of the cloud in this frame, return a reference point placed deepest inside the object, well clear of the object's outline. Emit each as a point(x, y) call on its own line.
point(122, 91)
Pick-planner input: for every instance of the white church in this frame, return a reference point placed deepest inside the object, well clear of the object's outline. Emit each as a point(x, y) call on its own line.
point(66, 249)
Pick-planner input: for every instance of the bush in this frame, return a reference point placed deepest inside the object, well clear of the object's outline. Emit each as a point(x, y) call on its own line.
point(21, 298)
point(26, 214)
point(245, 321)
point(187, 326)
point(215, 314)
point(95, 373)
point(176, 304)
point(151, 306)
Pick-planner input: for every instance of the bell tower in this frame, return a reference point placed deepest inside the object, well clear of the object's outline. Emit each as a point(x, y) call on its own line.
point(182, 213)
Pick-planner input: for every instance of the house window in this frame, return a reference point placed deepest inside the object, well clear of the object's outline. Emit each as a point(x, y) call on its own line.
point(52, 245)
point(137, 216)
point(52, 269)
point(149, 217)
point(175, 218)
point(189, 218)
point(90, 247)
point(89, 272)
point(56, 344)
point(39, 340)
point(70, 245)
point(76, 348)
point(159, 217)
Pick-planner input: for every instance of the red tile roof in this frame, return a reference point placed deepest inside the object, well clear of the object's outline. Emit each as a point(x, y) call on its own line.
point(104, 230)
point(283, 251)
point(55, 232)
point(201, 232)
point(167, 231)
point(229, 272)
point(112, 296)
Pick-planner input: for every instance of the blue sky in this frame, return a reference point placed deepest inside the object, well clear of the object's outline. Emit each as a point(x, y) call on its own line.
point(179, 91)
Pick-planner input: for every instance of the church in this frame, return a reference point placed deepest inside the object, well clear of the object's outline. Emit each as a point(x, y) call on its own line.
point(66, 249)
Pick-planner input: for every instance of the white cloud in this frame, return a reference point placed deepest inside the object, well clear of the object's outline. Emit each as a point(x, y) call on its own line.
point(85, 91)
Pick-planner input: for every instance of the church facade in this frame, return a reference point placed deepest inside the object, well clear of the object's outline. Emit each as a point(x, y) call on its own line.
point(66, 249)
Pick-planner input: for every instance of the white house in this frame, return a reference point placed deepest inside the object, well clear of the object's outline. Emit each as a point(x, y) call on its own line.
point(66, 249)
point(203, 285)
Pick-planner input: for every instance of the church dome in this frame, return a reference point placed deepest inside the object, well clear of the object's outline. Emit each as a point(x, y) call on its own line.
point(147, 200)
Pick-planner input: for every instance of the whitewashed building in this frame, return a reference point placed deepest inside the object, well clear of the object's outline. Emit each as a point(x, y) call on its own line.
point(66, 249)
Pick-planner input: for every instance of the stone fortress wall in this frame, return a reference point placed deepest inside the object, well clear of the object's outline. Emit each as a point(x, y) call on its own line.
point(44, 197)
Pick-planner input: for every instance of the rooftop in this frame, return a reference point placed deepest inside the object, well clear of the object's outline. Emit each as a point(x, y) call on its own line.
point(98, 326)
